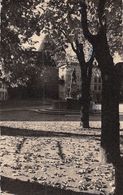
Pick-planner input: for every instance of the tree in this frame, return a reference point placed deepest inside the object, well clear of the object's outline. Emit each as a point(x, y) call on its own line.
point(110, 138)
point(110, 82)
point(20, 66)
point(13, 59)
point(65, 25)
point(23, 19)
point(86, 73)
point(62, 20)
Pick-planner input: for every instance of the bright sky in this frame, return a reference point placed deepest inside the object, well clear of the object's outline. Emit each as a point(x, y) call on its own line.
point(117, 58)
point(36, 38)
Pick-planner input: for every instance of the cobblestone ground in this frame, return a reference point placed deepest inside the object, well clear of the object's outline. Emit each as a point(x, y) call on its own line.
point(68, 157)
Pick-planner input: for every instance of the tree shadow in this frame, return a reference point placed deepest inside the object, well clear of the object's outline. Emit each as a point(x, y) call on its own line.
point(18, 187)
point(10, 131)
point(60, 151)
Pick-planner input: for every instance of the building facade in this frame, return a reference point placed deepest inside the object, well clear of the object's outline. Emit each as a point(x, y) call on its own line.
point(70, 82)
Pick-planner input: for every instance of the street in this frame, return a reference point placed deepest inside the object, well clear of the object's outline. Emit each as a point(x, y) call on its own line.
point(33, 115)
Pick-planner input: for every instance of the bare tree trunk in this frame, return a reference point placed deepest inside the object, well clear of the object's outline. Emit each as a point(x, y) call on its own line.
point(85, 92)
point(110, 139)
point(86, 72)
point(110, 116)
point(110, 136)
point(110, 85)
point(119, 178)
point(85, 101)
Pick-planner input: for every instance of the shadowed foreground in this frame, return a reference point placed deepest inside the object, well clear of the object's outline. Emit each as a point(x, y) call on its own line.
point(19, 187)
point(44, 159)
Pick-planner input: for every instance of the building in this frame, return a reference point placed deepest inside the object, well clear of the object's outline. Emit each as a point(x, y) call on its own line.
point(3, 90)
point(70, 82)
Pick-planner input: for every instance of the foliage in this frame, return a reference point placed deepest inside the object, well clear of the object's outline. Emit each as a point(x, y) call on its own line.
point(60, 19)
point(18, 25)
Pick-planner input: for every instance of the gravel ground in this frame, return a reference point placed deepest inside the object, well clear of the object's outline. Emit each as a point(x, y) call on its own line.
point(68, 157)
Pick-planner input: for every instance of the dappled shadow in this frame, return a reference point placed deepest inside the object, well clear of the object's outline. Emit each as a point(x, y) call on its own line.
point(10, 131)
point(18, 187)
point(60, 151)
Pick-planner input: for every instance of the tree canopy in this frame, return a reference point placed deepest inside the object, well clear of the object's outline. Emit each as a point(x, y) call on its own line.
point(21, 19)
point(60, 19)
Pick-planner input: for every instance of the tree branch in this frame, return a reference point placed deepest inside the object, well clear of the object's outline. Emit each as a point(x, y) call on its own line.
point(89, 65)
point(84, 23)
point(79, 46)
point(75, 50)
point(101, 16)
point(79, 52)
point(101, 7)
point(91, 59)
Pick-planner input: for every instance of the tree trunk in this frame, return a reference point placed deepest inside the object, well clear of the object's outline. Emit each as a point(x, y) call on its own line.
point(85, 105)
point(110, 142)
point(119, 178)
point(110, 84)
point(110, 136)
point(85, 94)
point(86, 72)
point(110, 116)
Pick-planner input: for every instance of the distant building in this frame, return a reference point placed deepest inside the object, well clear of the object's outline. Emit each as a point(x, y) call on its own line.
point(3, 90)
point(49, 80)
point(70, 82)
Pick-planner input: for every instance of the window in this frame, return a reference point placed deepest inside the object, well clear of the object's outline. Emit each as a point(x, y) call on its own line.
point(95, 87)
point(99, 79)
point(95, 79)
point(99, 88)
point(1, 96)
